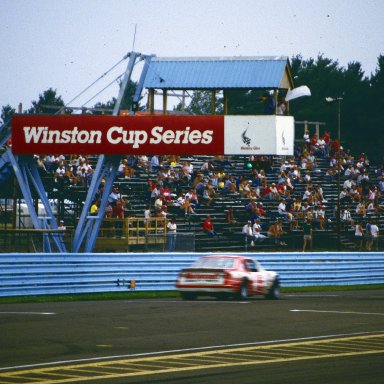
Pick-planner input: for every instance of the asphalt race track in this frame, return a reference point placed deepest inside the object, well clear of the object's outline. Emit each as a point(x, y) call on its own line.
point(307, 338)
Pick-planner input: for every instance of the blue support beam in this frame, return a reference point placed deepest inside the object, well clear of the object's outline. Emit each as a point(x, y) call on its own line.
point(140, 84)
point(88, 226)
point(27, 174)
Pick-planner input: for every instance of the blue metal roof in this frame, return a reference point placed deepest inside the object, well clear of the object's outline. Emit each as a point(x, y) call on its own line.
point(219, 73)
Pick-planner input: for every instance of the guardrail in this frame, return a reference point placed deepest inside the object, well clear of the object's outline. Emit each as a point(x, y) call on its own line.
point(44, 274)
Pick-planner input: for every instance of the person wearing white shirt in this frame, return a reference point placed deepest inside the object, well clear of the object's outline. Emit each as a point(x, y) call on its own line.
point(247, 231)
point(256, 230)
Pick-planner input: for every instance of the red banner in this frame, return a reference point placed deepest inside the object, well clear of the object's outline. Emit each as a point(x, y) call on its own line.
point(91, 134)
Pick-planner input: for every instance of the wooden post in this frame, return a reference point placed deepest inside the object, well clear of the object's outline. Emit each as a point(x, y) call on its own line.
point(151, 101)
point(164, 101)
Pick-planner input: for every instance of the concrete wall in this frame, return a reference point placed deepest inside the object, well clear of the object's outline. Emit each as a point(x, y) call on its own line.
point(42, 274)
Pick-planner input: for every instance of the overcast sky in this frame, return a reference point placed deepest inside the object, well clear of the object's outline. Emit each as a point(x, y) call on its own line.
point(67, 44)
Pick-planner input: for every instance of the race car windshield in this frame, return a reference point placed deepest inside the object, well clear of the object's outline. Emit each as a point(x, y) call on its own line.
point(213, 263)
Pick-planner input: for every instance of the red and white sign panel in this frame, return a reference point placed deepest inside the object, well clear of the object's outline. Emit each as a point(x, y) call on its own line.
point(156, 134)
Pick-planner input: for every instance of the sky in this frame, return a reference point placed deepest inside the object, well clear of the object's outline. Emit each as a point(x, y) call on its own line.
point(68, 44)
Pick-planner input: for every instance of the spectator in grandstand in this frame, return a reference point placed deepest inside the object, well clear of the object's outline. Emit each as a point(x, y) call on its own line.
point(283, 190)
point(208, 226)
point(344, 196)
point(162, 212)
point(61, 226)
point(271, 193)
point(199, 184)
point(59, 173)
point(307, 234)
point(321, 147)
point(275, 231)
point(120, 170)
point(118, 214)
point(296, 209)
point(281, 209)
point(354, 193)
point(206, 196)
point(263, 178)
point(142, 163)
point(187, 206)
point(50, 163)
point(94, 208)
point(187, 170)
point(256, 228)
point(40, 165)
point(306, 138)
point(207, 167)
point(375, 236)
point(107, 224)
point(331, 173)
point(282, 107)
point(269, 103)
point(171, 235)
point(308, 194)
point(88, 177)
point(154, 163)
point(372, 235)
point(70, 178)
point(359, 234)
point(361, 209)
point(349, 183)
point(244, 188)
point(155, 192)
point(230, 186)
point(347, 219)
point(371, 209)
point(147, 217)
point(128, 170)
point(247, 231)
point(194, 198)
point(306, 210)
point(319, 217)
point(307, 177)
point(114, 196)
point(373, 195)
point(159, 202)
point(165, 192)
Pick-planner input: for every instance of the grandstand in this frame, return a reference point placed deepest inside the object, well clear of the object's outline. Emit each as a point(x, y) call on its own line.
point(69, 200)
point(69, 197)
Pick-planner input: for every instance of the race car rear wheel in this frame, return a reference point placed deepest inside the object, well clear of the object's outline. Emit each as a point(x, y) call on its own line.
point(243, 292)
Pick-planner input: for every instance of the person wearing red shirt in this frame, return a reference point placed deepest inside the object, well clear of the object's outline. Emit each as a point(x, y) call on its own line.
point(208, 227)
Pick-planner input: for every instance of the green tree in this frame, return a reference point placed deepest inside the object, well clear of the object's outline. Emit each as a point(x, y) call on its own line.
point(201, 104)
point(6, 113)
point(48, 103)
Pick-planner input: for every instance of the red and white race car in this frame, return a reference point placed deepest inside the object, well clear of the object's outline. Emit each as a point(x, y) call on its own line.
point(227, 275)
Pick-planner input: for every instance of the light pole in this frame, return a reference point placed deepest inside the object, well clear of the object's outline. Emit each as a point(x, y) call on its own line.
point(338, 100)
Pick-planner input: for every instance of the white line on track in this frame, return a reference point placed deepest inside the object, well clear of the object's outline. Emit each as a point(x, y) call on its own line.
point(338, 312)
point(189, 302)
point(186, 350)
point(27, 313)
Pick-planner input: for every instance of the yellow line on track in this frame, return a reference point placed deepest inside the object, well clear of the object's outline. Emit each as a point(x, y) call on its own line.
point(192, 361)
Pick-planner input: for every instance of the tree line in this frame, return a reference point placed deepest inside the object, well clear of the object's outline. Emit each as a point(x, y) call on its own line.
point(362, 106)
